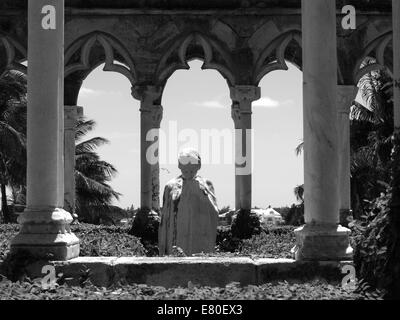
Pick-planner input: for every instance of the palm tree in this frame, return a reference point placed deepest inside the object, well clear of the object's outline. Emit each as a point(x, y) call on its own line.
point(371, 133)
point(12, 135)
point(378, 154)
point(299, 190)
point(299, 193)
point(94, 195)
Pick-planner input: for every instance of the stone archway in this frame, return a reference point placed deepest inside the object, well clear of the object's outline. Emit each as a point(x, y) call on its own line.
point(81, 58)
point(234, 38)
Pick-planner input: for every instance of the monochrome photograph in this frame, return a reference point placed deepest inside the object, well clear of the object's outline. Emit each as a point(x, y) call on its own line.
point(202, 156)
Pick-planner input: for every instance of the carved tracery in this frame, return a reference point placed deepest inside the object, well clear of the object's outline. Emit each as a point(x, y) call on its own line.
point(90, 51)
point(14, 54)
point(285, 47)
point(190, 47)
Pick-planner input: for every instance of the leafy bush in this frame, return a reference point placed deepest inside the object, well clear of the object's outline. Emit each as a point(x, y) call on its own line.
point(226, 242)
point(107, 241)
point(295, 215)
point(275, 242)
point(145, 226)
point(370, 242)
point(245, 225)
point(284, 290)
point(94, 240)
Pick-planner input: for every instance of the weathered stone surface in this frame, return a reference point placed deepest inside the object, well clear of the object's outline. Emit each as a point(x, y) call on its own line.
point(174, 272)
point(44, 224)
point(270, 270)
point(144, 32)
point(322, 243)
point(99, 270)
point(151, 40)
point(45, 233)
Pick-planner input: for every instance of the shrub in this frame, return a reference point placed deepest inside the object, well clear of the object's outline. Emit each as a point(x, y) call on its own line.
point(107, 241)
point(226, 242)
point(94, 240)
point(145, 226)
point(275, 242)
point(295, 215)
point(370, 242)
point(246, 225)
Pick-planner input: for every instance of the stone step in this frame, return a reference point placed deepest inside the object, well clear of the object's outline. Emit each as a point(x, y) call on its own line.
point(172, 272)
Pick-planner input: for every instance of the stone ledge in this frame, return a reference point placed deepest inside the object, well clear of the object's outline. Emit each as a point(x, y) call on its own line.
point(172, 272)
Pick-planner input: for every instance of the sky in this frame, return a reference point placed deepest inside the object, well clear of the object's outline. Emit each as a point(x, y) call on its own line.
point(195, 102)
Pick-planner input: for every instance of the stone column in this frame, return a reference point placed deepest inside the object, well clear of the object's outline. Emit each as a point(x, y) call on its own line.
point(242, 97)
point(345, 97)
point(44, 225)
point(238, 137)
point(71, 116)
point(145, 225)
point(321, 238)
point(150, 119)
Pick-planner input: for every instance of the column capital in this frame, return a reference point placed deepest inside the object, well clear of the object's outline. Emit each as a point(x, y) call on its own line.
point(346, 94)
point(147, 93)
point(245, 92)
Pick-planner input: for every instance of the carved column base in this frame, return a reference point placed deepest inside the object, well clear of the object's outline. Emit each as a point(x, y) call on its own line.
point(145, 225)
point(322, 243)
point(46, 234)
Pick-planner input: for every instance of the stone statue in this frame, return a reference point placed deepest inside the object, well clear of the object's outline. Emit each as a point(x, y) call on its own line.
point(189, 216)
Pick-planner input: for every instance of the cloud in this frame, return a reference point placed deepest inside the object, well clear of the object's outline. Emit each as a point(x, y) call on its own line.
point(89, 93)
point(215, 104)
point(86, 92)
point(264, 102)
point(267, 102)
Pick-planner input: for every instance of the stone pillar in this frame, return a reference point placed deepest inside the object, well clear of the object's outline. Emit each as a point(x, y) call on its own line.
point(71, 116)
point(322, 238)
point(242, 97)
point(345, 97)
point(45, 230)
point(150, 119)
point(238, 136)
point(146, 221)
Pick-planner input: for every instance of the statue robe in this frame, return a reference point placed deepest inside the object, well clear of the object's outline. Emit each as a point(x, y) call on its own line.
point(189, 217)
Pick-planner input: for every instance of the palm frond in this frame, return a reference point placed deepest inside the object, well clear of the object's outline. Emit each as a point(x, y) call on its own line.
point(83, 127)
point(299, 149)
point(90, 145)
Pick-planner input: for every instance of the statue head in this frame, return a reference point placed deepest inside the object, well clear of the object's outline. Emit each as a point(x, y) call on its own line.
point(189, 163)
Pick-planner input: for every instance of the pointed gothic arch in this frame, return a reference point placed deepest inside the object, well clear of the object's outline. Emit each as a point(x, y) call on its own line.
point(286, 46)
point(188, 47)
point(91, 50)
point(14, 54)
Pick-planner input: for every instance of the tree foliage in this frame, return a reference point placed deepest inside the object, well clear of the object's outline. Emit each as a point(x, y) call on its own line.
point(94, 195)
point(12, 135)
